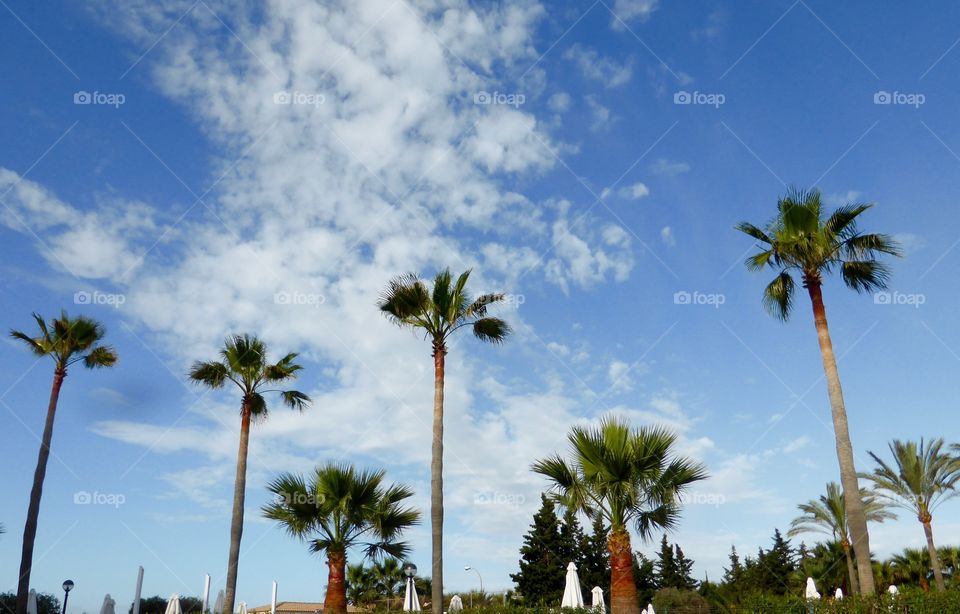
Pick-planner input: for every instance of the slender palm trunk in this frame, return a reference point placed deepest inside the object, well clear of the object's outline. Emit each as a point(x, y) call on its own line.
point(623, 590)
point(934, 559)
point(236, 524)
point(854, 586)
point(33, 511)
point(335, 601)
point(436, 481)
point(856, 517)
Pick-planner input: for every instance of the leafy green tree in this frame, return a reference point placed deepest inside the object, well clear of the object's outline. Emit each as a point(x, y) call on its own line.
point(644, 577)
point(540, 580)
point(800, 241)
point(828, 515)
point(243, 361)
point(920, 479)
point(66, 341)
point(338, 509)
point(439, 314)
point(46, 603)
point(595, 561)
point(629, 476)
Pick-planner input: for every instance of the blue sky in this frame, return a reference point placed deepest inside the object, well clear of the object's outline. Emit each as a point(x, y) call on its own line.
point(185, 199)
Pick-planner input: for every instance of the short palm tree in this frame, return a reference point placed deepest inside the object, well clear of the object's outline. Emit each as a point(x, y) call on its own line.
point(627, 477)
point(801, 241)
point(920, 479)
point(360, 585)
point(388, 576)
point(340, 508)
point(66, 341)
point(828, 515)
point(243, 361)
point(439, 313)
point(912, 567)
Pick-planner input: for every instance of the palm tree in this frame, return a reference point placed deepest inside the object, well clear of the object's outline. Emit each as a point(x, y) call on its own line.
point(439, 314)
point(243, 361)
point(388, 575)
point(923, 478)
point(800, 241)
point(338, 509)
point(912, 566)
point(361, 588)
point(66, 341)
point(625, 476)
point(828, 515)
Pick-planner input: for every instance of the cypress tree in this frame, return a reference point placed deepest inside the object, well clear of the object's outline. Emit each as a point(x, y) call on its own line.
point(667, 570)
point(684, 570)
point(595, 567)
point(542, 570)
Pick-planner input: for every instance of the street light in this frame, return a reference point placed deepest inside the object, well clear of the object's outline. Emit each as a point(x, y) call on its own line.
point(67, 587)
point(409, 570)
point(474, 570)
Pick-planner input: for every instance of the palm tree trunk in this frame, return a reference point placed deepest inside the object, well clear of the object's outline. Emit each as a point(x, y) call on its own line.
point(236, 524)
point(934, 559)
point(335, 601)
point(33, 511)
point(436, 481)
point(854, 587)
point(848, 472)
point(623, 590)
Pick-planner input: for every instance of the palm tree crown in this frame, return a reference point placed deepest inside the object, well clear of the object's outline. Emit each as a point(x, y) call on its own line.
point(69, 340)
point(625, 475)
point(439, 313)
point(244, 362)
point(828, 514)
point(923, 478)
point(343, 508)
point(800, 240)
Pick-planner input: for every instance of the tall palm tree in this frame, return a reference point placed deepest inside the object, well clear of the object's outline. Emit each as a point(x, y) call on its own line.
point(625, 476)
point(921, 478)
point(800, 241)
point(243, 361)
point(66, 341)
point(338, 509)
point(439, 313)
point(828, 515)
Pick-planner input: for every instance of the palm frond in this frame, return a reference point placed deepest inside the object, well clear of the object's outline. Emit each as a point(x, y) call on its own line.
point(778, 296)
point(491, 330)
point(865, 275)
point(100, 357)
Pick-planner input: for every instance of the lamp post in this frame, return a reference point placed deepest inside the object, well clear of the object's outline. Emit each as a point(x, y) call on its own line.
point(67, 587)
point(474, 570)
point(409, 570)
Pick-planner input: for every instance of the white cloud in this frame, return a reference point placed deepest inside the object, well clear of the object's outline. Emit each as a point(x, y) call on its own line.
point(628, 10)
point(669, 168)
point(601, 116)
point(797, 444)
point(635, 191)
point(559, 102)
point(576, 262)
point(666, 235)
point(599, 68)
